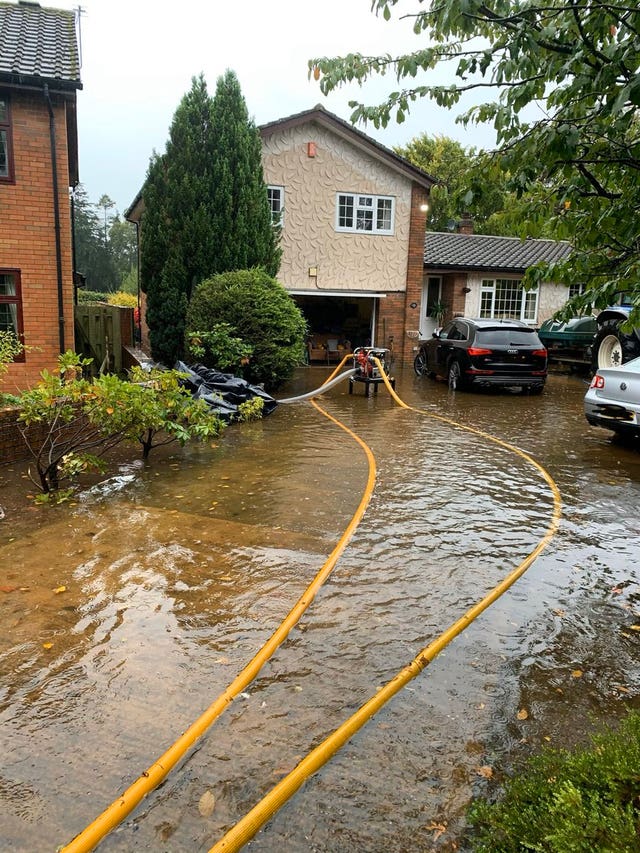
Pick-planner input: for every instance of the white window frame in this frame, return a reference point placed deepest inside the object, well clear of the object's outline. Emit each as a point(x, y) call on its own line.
point(362, 204)
point(529, 301)
point(277, 211)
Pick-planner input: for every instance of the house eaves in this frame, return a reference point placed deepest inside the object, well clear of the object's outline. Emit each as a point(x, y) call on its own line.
point(38, 46)
point(482, 252)
point(321, 116)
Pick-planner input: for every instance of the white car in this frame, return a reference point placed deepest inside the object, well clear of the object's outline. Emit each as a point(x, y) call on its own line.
point(613, 398)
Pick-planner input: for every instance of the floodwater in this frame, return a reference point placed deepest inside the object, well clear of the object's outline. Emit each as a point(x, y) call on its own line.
point(176, 573)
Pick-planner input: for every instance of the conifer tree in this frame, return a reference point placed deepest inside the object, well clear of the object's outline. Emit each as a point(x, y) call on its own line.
point(205, 208)
point(246, 236)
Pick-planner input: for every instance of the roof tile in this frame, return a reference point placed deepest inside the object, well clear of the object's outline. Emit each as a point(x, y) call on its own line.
point(38, 42)
point(484, 252)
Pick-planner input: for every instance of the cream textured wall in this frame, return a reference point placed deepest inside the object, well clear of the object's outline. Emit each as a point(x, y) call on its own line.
point(344, 261)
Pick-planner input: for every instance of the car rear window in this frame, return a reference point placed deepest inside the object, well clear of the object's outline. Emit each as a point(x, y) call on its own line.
point(508, 337)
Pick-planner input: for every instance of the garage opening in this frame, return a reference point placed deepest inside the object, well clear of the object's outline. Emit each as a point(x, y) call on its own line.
point(348, 321)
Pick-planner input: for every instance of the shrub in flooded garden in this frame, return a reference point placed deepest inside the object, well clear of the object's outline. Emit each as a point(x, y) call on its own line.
point(83, 418)
point(260, 313)
point(219, 348)
point(569, 802)
point(10, 348)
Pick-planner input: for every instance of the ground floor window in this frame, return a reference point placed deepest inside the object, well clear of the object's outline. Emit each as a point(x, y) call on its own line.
point(11, 303)
point(505, 298)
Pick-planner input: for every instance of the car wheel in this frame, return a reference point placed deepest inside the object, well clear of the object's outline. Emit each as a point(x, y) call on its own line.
point(611, 347)
point(420, 363)
point(454, 377)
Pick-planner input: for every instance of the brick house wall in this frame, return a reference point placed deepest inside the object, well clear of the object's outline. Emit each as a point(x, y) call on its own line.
point(27, 233)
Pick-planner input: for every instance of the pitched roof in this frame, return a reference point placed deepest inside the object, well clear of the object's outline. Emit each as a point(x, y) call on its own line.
point(38, 45)
point(484, 252)
point(323, 117)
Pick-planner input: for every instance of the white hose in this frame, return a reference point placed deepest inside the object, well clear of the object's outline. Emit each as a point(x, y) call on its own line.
point(310, 394)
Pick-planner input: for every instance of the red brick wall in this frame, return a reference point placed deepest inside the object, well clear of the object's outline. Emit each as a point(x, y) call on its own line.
point(415, 271)
point(27, 233)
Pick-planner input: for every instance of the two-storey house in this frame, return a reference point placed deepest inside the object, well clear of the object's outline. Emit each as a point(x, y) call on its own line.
point(352, 215)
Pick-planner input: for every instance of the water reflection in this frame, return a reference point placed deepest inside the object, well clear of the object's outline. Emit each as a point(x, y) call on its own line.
point(175, 574)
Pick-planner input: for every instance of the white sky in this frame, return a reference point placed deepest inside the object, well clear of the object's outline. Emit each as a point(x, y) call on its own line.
point(139, 57)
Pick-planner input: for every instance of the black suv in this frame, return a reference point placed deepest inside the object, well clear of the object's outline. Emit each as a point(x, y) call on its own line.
point(504, 353)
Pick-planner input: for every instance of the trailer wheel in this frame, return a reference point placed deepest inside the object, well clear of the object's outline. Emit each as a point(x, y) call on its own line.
point(611, 347)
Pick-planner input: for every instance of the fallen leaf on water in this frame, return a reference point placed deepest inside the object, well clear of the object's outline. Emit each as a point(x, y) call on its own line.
point(207, 804)
point(635, 627)
point(485, 771)
point(576, 673)
point(47, 645)
point(559, 612)
point(60, 589)
point(547, 738)
point(440, 829)
point(523, 714)
point(622, 688)
point(480, 706)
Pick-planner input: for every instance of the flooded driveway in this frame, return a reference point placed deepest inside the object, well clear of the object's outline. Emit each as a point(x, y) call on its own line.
point(124, 616)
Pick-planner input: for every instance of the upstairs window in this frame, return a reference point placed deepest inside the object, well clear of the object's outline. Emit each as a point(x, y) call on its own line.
point(506, 299)
point(6, 160)
point(373, 214)
point(11, 304)
point(276, 205)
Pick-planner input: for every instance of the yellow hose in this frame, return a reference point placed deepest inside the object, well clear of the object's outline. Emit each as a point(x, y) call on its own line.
point(247, 827)
point(151, 778)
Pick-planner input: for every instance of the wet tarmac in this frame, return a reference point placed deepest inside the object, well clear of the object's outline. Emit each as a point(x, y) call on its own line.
point(124, 614)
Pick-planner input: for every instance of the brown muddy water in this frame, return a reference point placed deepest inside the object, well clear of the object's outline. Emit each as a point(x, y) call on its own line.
point(176, 573)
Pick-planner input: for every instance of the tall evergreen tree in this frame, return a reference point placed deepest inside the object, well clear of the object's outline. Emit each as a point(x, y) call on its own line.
point(242, 219)
point(205, 208)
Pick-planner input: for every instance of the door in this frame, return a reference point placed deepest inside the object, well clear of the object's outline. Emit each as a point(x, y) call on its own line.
point(431, 294)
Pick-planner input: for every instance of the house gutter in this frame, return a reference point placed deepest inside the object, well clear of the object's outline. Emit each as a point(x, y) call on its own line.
point(56, 217)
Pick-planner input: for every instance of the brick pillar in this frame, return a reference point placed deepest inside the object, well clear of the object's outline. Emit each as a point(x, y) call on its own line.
point(415, 273)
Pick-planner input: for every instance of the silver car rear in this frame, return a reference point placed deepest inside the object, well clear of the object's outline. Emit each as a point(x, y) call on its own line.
point(613, 399)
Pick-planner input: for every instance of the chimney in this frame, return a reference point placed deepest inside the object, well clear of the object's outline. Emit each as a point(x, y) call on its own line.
point(465, 225)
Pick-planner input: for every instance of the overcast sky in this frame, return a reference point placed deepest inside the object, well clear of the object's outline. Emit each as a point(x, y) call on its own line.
point(138, 58)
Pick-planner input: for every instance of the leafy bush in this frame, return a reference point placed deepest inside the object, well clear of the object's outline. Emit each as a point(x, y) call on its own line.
point(259, 312)
point(85, 296)
point(569, 802)
point(125, 300)
point(219, 348)
point(86, 418)
point(10, 348)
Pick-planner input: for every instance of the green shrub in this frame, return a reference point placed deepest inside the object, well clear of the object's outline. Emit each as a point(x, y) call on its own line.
point(219, 348)
point(260, 313)
point(86, 418)
point(569, 802)
point(91, 296)
point(125, 300)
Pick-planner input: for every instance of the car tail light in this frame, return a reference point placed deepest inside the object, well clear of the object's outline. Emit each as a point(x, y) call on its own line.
point(541, 352)
point(479, 351)
point(597, 381)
